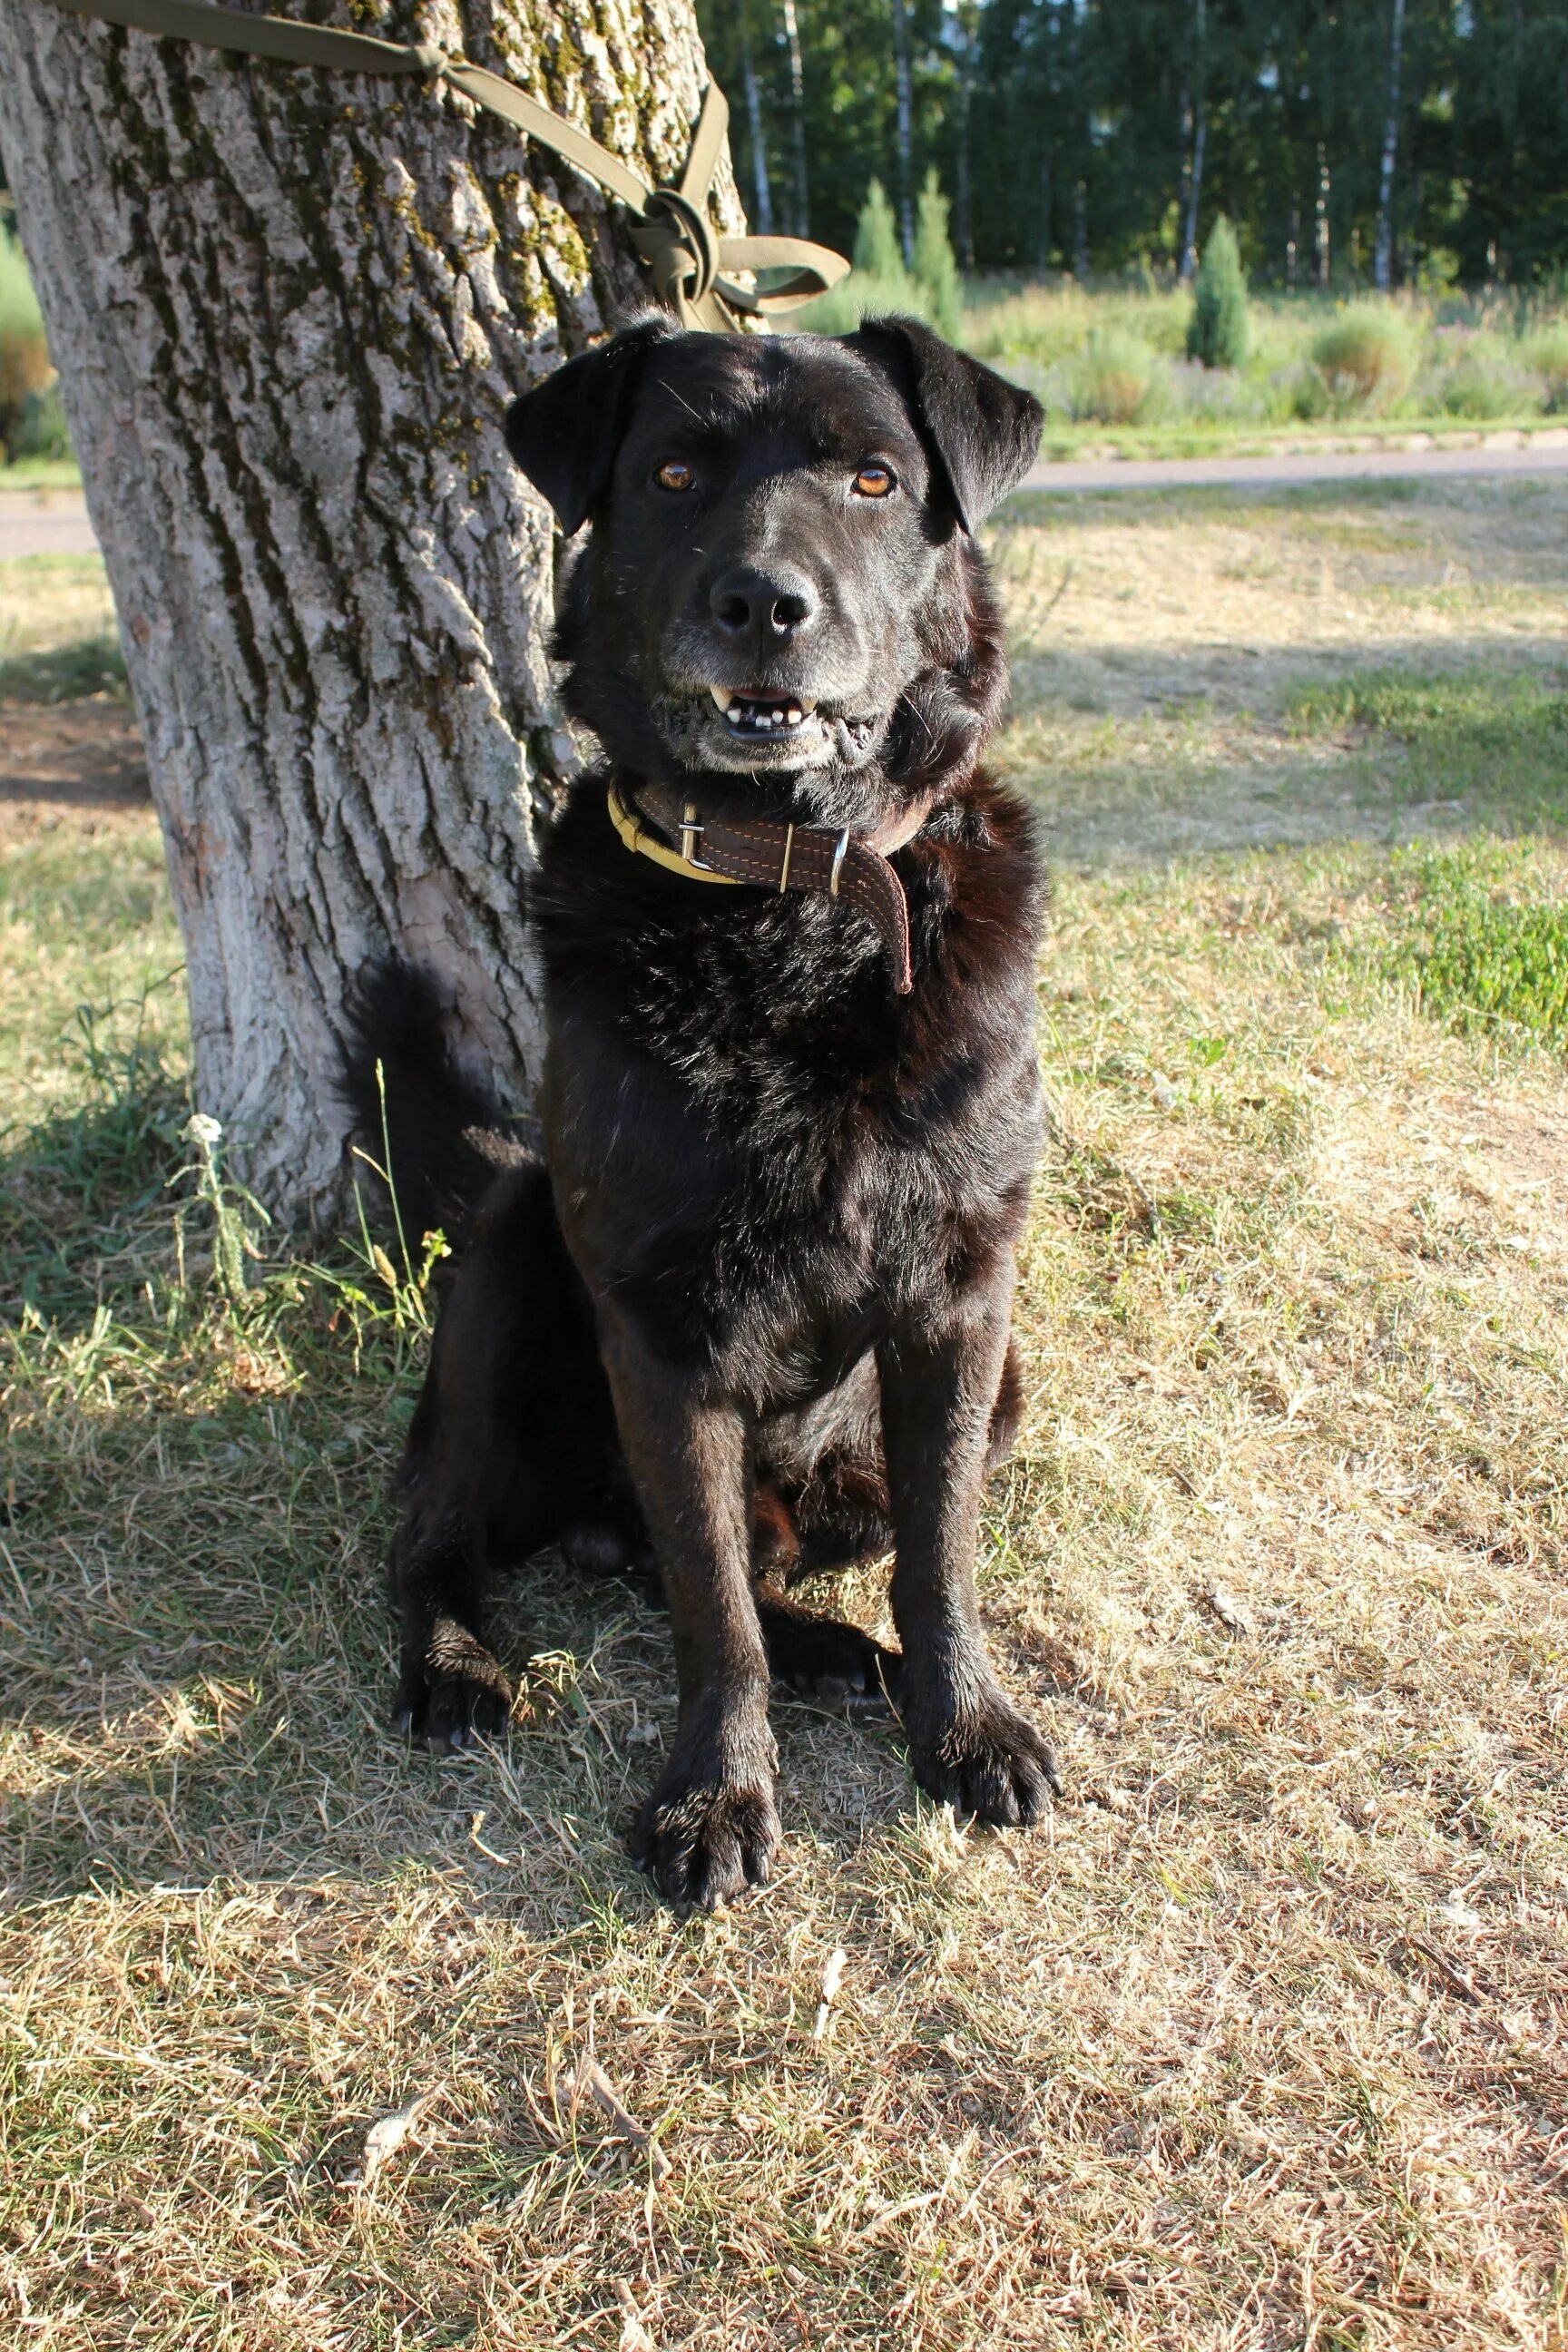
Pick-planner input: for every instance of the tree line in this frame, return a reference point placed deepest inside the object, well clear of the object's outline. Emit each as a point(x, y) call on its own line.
point(1349, 141)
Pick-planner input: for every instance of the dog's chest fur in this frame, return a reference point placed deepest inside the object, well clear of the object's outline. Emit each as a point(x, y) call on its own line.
point(751, 1138)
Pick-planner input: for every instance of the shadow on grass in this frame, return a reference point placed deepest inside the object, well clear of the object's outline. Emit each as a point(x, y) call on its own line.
point(78, 1190)
point(1474, 747)
point(67, 673)
point(202, 1663)
point(1495, 737)
point(194, 1509)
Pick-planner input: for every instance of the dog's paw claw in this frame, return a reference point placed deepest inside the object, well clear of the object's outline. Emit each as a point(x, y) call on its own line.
point(706, 1844)
point(990, 1765)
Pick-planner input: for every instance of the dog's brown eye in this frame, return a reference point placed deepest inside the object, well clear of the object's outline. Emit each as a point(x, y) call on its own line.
point(875, 481)
point(673, 475)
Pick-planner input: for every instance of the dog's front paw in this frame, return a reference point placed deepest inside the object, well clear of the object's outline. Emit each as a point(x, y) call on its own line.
point(704, 1839)
point(454, 1693)
point(988, 1762)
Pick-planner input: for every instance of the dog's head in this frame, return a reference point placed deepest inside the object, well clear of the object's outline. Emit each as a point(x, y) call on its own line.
point(782, 580)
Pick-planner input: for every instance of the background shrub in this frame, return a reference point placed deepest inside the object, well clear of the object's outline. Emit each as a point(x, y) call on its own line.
point(1545, 354)
point(1365, 356)
point(860, 296)
point(877, 252)
point(1482, 384)
point(1112, 380)
point(25, 371)
point(1219, 334)
point(933, 264)
point(41, 433)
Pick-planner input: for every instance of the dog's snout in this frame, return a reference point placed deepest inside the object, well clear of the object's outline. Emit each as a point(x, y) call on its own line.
point(762, 609)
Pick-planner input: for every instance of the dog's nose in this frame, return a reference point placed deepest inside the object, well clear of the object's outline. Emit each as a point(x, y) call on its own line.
point(768, 608)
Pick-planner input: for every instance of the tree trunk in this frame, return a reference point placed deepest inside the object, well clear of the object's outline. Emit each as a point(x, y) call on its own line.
point(962, 193)
point(1383, 253)
point(906, 130)
point(288, 309)
point(797, 120)
point(765, 219)
point(1321, 224)
point(1200, 136)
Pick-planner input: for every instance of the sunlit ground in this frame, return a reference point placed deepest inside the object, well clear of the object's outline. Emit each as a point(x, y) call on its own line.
point(1259, 2041)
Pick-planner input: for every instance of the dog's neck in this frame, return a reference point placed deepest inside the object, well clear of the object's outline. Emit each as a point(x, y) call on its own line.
point(767, 853)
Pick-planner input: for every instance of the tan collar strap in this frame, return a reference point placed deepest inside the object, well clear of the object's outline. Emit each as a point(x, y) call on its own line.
point(769, 856)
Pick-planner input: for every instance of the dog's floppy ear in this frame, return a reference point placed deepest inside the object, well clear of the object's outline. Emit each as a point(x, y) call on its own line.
point(565, 433)
point(983, 432)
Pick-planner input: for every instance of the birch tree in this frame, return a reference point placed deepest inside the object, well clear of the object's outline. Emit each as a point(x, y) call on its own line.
point(1199, 130)
point(797, 120)
point(1382, 251)
point(904, 90)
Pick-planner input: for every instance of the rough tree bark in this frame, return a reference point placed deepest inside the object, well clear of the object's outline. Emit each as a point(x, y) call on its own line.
point(288, 309)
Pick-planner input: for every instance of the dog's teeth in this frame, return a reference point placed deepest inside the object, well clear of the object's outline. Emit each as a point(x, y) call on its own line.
point(722, 697)
point(793, 717)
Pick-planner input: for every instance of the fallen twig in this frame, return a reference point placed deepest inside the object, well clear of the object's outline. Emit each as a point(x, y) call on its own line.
point(1447, 1969)
point(591, 2077)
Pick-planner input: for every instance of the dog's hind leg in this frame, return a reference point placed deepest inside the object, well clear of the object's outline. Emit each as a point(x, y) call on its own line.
point(450, 1689)
point(512, 1448)
point(823, 1658)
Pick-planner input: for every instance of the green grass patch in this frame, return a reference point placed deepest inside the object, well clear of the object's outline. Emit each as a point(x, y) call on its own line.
point(41, 474)
point(1485, 739)
point(1416, 708)
point(64, 673)
point(1476, 948)
point(58, 641)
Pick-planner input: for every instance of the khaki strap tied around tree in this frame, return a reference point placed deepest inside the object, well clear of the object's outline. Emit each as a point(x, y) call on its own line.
point(672, 231)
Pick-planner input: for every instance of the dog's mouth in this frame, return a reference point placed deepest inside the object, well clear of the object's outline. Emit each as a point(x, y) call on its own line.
point(752, 729)
point(756, 717)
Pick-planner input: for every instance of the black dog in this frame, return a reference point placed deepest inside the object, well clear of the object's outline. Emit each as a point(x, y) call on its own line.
point(750, 1316)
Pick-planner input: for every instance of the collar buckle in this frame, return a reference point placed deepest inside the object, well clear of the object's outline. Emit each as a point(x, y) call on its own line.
point(690, 830)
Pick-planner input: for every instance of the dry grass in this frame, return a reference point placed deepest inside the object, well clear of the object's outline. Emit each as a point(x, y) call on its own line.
point(1260, 2044)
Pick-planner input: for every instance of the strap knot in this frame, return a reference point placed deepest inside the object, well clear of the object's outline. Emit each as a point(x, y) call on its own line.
point(669, 227)
point(676, 240)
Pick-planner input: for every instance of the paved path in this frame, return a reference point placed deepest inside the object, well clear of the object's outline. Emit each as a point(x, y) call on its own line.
point(44, 522)
point(54, 523)
point(1546, 453)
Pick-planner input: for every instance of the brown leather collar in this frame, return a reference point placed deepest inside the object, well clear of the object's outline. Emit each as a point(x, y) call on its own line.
point(773, 857)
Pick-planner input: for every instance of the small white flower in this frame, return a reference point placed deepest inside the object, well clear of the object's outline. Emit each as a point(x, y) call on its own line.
point(200, 1129)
